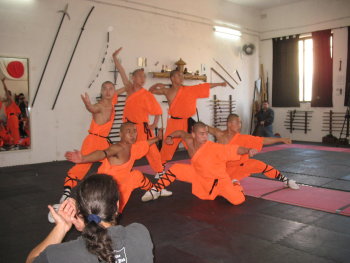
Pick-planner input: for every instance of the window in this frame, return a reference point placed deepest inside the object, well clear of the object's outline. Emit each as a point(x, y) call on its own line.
point(306, 67)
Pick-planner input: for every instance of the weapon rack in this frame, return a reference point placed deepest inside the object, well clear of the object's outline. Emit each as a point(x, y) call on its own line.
point(297, 120)
point(221, 109)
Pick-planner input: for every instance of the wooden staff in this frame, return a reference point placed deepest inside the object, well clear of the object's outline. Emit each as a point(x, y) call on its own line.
point(220, 76)
point(225, 71)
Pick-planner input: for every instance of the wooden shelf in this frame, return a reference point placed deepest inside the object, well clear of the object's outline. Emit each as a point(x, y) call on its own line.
point(186, 76)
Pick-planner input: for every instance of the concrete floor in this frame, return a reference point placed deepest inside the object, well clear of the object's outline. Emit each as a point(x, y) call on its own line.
point(186, 229)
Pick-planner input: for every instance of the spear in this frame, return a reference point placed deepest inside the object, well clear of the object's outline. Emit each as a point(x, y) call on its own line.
point(65, 13)
point(76, 44)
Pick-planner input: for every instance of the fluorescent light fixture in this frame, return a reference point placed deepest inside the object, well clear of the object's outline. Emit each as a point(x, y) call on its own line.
point(228, 31)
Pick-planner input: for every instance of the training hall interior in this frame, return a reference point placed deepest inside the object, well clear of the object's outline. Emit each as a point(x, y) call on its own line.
point(281, 68)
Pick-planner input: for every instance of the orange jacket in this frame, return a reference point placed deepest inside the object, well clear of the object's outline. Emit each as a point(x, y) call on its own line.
point(184, 103)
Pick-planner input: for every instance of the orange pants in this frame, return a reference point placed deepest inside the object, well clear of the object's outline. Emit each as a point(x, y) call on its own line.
point(13, 127)
point(128, 182)
point(167, 151)
point(153, 155)
point(77, 172)
point(203, 187)
point(239, 171)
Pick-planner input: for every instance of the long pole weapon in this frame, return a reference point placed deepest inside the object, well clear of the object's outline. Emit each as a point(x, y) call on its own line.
point(225, 71)
point(65, 13)
point(220, 76)
point(76, 44)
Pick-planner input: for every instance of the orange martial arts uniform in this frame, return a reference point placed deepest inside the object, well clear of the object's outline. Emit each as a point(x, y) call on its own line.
point(12, 112)
point(207, 173)
point(126, 178)
point(5, 137)
point(180, 110)
point(96, 140)
point(245, 167)
point(138, 107)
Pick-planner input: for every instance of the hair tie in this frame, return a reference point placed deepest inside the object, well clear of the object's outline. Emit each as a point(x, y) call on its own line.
point(95, 218)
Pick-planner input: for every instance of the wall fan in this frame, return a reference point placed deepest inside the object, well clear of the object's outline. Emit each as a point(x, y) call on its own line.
point(248, 49)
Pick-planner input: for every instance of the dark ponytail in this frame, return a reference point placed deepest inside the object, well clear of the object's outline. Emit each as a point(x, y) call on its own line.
point(97, 198)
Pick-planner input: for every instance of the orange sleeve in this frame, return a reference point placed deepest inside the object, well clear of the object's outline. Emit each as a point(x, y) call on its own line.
point(151, 104)
point(115, 99)
point(140, 149)
point(230, 152)
point(250, 141)
point(201, 90)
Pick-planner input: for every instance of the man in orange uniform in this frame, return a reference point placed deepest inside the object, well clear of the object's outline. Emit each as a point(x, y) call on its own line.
point(12, 112)
point(207, 171)
point(140, 103)
point(101, 124)
point(182, 105)
point(5, 138)
point(118, 161)
point(245, 167)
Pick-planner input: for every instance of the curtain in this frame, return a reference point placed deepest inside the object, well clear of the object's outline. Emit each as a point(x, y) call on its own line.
point(323, 70)
point(285, 79)
point(347, 85)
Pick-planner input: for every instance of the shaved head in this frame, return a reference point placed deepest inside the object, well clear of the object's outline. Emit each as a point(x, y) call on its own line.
point(106, 83)
point(198, 125)
point(137, 71)
point(232, 116)
point(126, 125)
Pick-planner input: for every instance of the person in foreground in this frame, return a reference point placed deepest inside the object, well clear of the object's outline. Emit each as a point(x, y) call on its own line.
point(94, 213)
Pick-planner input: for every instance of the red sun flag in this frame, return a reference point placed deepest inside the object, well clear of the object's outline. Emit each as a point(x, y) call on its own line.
point(15, 69)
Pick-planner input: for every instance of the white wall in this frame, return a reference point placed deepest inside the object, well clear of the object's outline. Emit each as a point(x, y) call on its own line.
point(303, 17)
point(164, 34)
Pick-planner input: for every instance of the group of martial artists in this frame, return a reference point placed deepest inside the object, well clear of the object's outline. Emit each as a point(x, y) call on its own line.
point(215, 169)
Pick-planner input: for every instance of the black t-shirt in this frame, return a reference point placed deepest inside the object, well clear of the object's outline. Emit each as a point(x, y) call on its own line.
point(131, 244)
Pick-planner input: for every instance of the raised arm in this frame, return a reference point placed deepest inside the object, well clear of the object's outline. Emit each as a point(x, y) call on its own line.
point(121, 90)
point(213, 85)
point(77, 157)
point(93, 108)
point(272, 140)
point(214, 131)
point(156, 139)
point(158, 89)
point(155, 122)
point(177, 134)
point(120, 68)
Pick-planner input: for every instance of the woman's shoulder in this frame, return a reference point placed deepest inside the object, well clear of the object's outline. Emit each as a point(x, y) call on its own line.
point(134, 230)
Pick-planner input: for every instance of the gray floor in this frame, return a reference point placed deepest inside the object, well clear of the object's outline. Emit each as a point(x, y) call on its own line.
point(186, 229)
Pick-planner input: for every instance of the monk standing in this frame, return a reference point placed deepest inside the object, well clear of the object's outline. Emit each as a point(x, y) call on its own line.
point(140, 103)
point(102, 120)
point(182, 105)
point(12, 113)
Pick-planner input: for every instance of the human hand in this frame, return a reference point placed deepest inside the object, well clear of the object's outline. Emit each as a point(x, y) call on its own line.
point(286, 140)
point(152, 126)
point(86, 99)
point(115, 54)
point(74, 157)
point(64, 216)
point(224, 84)
point(252, 152)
